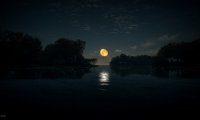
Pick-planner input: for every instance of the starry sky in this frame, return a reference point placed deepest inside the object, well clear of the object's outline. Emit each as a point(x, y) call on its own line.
point(132, 27)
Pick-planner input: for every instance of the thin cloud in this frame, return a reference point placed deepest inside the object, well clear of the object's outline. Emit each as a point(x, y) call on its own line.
point(148, 44)
point(118, 51)
point(86, 28)
point(151, 47)
point(134, 47)
point(168, 38)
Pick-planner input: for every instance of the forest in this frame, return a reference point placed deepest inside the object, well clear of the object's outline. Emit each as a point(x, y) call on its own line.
point(22, 53)
point(24, 56)
point(182, 57)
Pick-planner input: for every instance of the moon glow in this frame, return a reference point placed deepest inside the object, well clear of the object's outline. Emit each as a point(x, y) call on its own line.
point(104, 52)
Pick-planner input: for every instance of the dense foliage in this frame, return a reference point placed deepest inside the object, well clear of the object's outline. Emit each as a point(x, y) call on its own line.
point(179, 58)
point(185, 54)
point(19, 50)
point(131, 61)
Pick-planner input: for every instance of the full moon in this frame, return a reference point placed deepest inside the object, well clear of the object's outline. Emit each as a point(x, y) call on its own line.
point(104, 52)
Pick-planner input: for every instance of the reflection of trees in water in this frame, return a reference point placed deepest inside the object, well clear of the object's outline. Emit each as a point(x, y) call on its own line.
point(45, 72)
point(125, 70)
point(162, 72)
point(178, 72)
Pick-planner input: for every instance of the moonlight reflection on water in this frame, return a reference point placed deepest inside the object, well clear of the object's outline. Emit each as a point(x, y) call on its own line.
point(104, 78)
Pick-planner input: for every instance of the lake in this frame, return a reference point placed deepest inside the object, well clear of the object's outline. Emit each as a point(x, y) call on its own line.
point(101, 92)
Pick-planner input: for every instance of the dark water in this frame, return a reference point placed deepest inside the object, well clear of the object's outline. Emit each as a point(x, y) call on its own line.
point(101, 93)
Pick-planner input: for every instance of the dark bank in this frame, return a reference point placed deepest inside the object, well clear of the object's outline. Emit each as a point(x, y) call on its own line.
point(100, 93)
point(59, 82)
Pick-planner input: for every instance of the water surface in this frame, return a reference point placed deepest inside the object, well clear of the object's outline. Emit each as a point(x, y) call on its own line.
point(101, 91)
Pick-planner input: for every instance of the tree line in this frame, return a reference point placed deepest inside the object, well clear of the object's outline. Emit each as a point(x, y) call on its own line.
point(182, 56)
point(130, 61)
point(19, 50)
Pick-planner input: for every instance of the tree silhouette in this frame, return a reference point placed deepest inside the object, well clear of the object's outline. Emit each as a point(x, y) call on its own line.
point(22, 57)
point(130, 61)
point(183, 54)
point(18, 50)
point(125, 65)
point(64, 52)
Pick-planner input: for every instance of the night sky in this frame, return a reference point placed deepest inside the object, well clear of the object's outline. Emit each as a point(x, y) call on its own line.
point(133, 27)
